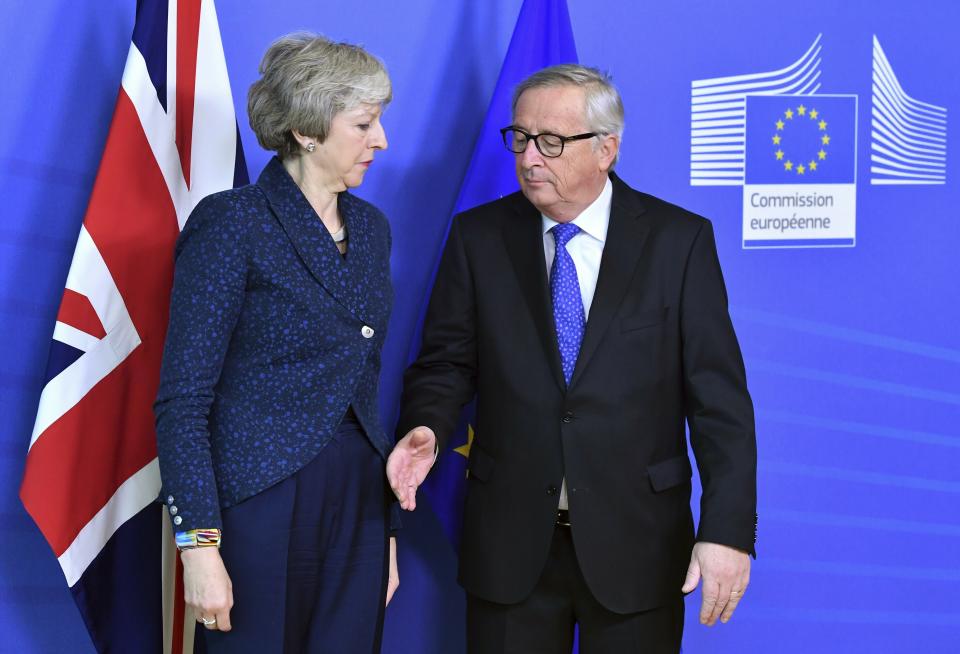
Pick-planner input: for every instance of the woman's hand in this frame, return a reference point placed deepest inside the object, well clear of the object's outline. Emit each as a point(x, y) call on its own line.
point(206, 587)
point(393, 580)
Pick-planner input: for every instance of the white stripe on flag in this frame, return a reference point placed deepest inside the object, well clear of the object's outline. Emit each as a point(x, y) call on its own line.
point(129, 499)
point(158, 126)
point(70, 335)
point(214, 147)
point(89, 276)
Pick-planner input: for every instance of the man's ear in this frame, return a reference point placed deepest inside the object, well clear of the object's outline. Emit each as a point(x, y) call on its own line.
point(609, 147)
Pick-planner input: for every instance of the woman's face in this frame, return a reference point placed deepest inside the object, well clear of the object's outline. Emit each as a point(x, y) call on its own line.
point(344, 157)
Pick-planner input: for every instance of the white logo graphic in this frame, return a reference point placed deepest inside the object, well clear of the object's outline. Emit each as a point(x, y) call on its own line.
point(908, 138)
point(718, 115)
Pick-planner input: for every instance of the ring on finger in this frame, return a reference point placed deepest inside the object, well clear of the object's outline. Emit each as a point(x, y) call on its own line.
point(209, 622)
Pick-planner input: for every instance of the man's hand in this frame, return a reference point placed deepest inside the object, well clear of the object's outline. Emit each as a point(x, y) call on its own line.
point(726, 573)
point(409, 463)
point(207, 588)
point(393, 579)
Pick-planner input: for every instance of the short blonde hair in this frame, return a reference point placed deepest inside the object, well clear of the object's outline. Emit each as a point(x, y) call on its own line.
point(307, 79)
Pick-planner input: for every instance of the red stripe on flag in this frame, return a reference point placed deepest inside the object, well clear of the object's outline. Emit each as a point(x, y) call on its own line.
point(76, 311)
point(77, 464)
point(188, 36)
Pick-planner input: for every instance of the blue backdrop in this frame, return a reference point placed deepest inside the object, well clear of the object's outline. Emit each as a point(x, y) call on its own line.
point(852, 353)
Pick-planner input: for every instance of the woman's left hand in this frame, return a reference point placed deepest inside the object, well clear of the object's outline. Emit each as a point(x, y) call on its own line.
point(393, 580)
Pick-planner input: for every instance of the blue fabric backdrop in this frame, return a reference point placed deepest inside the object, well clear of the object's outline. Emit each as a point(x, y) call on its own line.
point(852, 353)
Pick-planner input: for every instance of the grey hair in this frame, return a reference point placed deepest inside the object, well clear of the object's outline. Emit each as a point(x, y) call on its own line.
point(306, 80)
point(604, 107)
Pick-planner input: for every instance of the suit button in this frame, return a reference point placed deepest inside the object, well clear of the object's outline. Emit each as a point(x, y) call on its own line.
point(177, 520)
point(367, 331)
point(173, 510)
point(567, 417)
point(169, 499)
point(551, 490)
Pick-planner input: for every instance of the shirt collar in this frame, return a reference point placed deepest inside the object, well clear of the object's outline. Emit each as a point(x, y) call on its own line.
point(594, 220)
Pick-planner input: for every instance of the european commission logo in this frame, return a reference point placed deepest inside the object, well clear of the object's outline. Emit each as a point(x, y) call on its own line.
point(793, 150)
point(908, 137)
point(800, 185)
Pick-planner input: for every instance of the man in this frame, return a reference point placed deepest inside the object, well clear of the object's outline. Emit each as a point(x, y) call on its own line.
point(590, 321)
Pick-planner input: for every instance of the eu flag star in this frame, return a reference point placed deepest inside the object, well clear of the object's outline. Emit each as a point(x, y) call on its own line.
point(812, 165)
point(788, 165)
point(776, 139)
point(780, 124)
point(822, 124)
point(813, 114)
point(821, 155)
point(800, 169)
point(789, 114)
point(801, 110)
point(779, 154)
point(465, 448)
point(825, 139)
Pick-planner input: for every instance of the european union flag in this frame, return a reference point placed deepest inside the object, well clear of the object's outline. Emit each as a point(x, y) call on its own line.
point(542, 37)
point(421, 623)
point(801, 139)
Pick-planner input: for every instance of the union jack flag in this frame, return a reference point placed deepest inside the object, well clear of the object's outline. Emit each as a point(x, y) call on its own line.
point(91, 477)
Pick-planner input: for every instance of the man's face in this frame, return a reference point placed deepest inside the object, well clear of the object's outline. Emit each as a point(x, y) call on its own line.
point(561, 187)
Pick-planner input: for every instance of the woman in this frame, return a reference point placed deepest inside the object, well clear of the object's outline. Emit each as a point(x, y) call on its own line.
point(271, 451)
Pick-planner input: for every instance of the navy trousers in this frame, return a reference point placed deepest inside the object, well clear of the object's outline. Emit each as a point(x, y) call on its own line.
point(308, 557)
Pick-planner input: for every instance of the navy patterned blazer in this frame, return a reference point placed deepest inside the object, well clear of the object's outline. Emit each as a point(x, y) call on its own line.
point(273, 335)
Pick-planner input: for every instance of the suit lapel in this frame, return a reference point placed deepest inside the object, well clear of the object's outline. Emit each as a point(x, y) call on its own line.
point(523, 236)
point(361, 256)
point(621, 253)
point(306, 232)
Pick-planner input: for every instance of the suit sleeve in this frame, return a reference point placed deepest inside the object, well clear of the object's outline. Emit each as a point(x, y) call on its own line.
point(718, 406)
point(443, 378)
point(208, 293)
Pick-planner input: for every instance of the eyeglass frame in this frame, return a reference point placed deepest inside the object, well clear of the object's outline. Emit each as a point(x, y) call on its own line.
point(536, 140)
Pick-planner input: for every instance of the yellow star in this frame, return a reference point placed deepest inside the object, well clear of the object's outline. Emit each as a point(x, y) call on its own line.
point(776, 139)
point(789, 114)
point(825, 139)
point(812, 165)
point(813, 114)
point(779, 154)
point(779, 124)
point(800, 169)
point(822, 155)
point(465, 448)
point(801, 110)
point(788, 165)
point(822, 124)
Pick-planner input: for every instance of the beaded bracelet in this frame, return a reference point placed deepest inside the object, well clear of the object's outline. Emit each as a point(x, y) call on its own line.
point(188, 540)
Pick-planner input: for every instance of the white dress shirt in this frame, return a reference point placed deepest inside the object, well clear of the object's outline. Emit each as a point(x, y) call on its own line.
point(586, 250)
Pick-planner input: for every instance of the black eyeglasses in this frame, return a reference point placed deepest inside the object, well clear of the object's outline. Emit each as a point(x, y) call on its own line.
point(549, 145)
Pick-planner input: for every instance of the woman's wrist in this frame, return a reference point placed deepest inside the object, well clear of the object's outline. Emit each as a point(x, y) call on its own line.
point(194, 538)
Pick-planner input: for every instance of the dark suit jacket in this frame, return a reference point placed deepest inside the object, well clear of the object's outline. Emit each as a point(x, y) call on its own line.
point(272, 336)
point(659, 350)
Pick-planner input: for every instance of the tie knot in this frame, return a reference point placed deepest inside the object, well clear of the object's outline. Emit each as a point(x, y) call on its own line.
point(563, 232)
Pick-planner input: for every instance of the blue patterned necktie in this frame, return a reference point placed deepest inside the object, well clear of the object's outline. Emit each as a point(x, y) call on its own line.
point(568, 315)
